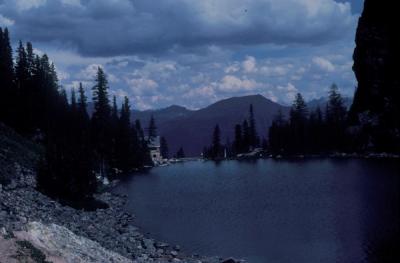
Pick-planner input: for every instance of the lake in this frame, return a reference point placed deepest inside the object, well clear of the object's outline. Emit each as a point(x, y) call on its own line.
point(316, 210)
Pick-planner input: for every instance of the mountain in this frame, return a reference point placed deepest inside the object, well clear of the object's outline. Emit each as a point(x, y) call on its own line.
point(192, 129)
point(162, 115)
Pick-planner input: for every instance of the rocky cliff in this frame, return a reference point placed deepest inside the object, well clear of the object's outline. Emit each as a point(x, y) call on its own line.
point(376, 65)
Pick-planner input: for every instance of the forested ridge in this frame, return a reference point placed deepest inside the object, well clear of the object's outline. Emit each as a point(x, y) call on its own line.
point(79, 149)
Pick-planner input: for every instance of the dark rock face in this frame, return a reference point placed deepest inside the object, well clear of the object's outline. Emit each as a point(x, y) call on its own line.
point(376, 66)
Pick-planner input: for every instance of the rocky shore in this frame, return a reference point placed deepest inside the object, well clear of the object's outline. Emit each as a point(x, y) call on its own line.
point(108, 231)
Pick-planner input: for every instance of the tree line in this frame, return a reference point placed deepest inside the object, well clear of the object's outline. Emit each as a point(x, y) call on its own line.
point(308, 131)
point(79, 148)
point(302, 131)
point(245, 139)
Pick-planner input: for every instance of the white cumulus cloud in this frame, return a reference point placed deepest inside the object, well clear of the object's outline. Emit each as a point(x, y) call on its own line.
point(324, 64)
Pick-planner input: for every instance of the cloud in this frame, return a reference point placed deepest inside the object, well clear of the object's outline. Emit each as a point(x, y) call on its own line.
point(24, 5)
point(6, 22)
point(191, 52)
point(142, 86)
point(90, 72)
point(249, 64)
point(232, 68)
point(142, 27)
point(230, 83)
point(324, 64)
point(274, 71)
point(289, 91)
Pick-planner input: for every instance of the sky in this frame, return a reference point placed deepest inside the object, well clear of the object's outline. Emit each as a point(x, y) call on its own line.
point(190, 52)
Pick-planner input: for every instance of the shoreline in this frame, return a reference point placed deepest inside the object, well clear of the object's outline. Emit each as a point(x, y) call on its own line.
point(112, 228)
point(338, 155)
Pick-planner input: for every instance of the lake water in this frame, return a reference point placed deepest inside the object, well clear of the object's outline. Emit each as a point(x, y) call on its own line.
point(320, 210)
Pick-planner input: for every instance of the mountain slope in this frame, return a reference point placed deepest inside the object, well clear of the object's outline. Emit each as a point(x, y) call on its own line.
point(192, 129)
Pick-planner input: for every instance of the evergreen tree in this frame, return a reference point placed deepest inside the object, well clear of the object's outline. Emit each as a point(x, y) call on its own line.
point(253, 137)
point(238, 142)
point(101, 120)
point(74, 105)
point(278, 135)
point(124, 147)
point(22, 75)
point(7, 91)
point(100, 98)
point(30, 58)
point(299, 110)
point(246, 136)
point(142, 151)
point(152, 129)
point(114, 110)
point(164, 147)
point(216, 147)
point(139, 130)
point(66, 170)
point(336, 111)
point(336, 120)
point(317, 132)
point(180, 153)
point(298, 122)
point(21, 67)
point(115, 132)
point(82, 102)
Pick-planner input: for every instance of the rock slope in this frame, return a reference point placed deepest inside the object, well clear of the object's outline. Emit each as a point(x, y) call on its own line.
point(111, 228)
point(35, 228)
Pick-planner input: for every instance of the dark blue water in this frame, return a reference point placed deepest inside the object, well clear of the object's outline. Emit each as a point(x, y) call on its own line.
point(273, 211)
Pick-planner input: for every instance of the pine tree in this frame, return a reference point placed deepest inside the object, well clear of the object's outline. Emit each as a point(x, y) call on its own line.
point(74, 105)
point(238, 142)
point(100, 98)
point(7, 91)
point(246, 136)
point(21, 67)
point(139, 130)
point(253, 137)
point(299, 110)
point(152, 129)
point(164, 147)
point(82, 102)
point(180, 153)
point(317, 132)
point(124, 147)
point(114, 110)
point(278, 135)
point(101, 120)
point(298, 122)
point(216, 147)
point(336, 120)
point(30, 58)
